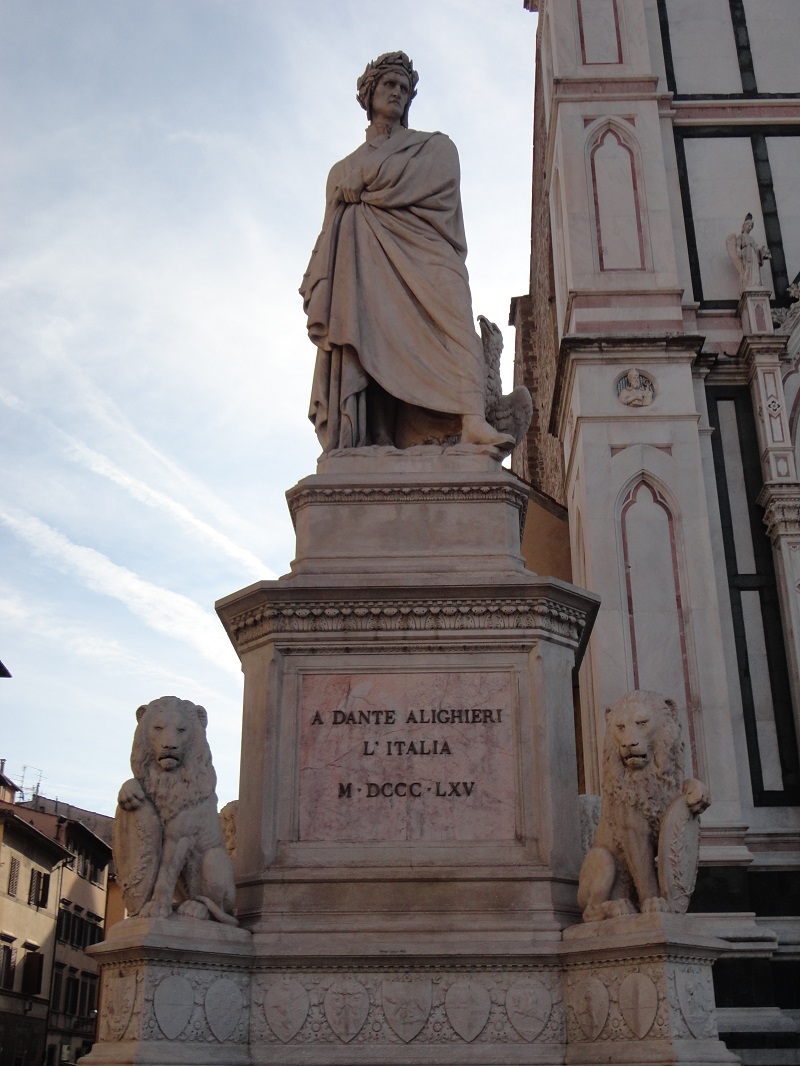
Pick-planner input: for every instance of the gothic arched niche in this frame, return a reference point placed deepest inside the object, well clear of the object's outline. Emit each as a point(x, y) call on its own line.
point(659, 638)
point(616, 201)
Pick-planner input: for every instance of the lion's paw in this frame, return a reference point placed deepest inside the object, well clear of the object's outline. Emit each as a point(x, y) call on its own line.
point(697, 795)
point(193, 908)
point(609, 908)
point(131, 795)
point(156, 908)
point(656, 905)
point(618, 908)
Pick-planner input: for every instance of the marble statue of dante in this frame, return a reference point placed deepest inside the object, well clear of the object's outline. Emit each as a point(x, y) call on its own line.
point(747, 256)
point(386, 291)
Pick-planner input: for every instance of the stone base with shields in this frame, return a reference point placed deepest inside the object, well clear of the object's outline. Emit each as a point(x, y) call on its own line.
point(407, 848)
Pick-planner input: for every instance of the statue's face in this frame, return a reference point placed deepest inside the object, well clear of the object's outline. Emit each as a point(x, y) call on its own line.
point(169, 736)
point(748, 225)
point(633, 728)
point(390, 97)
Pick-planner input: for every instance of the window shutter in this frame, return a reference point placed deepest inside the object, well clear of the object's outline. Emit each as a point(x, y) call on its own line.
point(13, 877)
point(6, 972)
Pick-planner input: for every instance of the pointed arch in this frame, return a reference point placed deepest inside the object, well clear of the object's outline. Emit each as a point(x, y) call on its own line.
point(616, 195)
point(653, 579)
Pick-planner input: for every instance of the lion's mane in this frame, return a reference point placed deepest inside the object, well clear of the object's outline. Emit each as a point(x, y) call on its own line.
point(190, 783)
point(655, 786)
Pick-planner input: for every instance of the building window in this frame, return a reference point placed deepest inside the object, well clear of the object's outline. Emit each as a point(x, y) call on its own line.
point(13, 877)
point(71, 1000)
point(58, 988)
point(91, 998)
point(64, 925)
point(8, 965)
point(32, 968)
point(78, 937)
point(39, 889)
point(82, 996)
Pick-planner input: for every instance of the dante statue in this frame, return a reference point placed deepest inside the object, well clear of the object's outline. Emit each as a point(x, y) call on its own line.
point(386, 291)
point(747, 256)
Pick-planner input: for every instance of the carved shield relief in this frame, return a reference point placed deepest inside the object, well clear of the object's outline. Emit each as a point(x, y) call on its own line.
point(137, 848)
point(638, 1003)
point(173, 1003)
point(406, 1005)
point(590, 1004)
point(528, 1006)
point(678, 854)
point(696, 1000)
point(346, 1007)
point(467, 1004)
point(286, 1006)
point(223, 1008)
point(119, 995)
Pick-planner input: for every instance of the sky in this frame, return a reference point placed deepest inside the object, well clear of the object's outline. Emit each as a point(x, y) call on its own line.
point(161, 188)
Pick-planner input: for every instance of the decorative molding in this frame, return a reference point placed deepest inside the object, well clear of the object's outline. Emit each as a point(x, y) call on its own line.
point(415, 614)
point(781, 510)
point(327, 1006)
point(394, 647)
point(307, 496)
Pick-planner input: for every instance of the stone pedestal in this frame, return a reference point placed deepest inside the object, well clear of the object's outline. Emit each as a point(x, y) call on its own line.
point(638, 990)
point(755, 311)
point(173, 991)
point(408, 780)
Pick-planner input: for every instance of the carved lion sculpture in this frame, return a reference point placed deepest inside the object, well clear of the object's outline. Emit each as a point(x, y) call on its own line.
point(168, 842)
point(647, 810)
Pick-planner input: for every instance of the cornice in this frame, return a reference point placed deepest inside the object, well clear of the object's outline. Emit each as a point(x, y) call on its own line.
point(603, 347)
point(562, 615)
point(781, 505)
point(617, 87)
point(413, 492)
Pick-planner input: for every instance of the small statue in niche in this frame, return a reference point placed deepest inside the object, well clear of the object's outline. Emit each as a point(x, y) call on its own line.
point(635, 389)
point(648, 809)
point(168, 841)
point(747, 256)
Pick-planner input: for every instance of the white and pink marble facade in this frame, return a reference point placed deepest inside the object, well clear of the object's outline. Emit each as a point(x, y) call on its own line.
point(645, 524)
point(640, 526)
point(610, 211)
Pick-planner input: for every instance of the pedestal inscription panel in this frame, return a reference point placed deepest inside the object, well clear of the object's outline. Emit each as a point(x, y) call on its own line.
point(411, 756)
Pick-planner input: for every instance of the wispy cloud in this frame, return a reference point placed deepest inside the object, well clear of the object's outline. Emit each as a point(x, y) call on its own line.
point(14, 403)
point(79, 452)
point(165, 611)
point(43, 621)
point(139, 490)
point(104, 410)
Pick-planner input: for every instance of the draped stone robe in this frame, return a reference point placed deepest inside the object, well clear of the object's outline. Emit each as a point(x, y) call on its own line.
point(387, 292)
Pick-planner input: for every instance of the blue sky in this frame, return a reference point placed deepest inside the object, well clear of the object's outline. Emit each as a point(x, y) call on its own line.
point(161, 188)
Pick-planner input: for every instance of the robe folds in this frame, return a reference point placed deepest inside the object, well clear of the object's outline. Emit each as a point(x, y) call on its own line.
point(387, 292)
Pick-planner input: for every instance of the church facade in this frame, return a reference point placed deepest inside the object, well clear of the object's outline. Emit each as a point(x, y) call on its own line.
point(660, 340)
